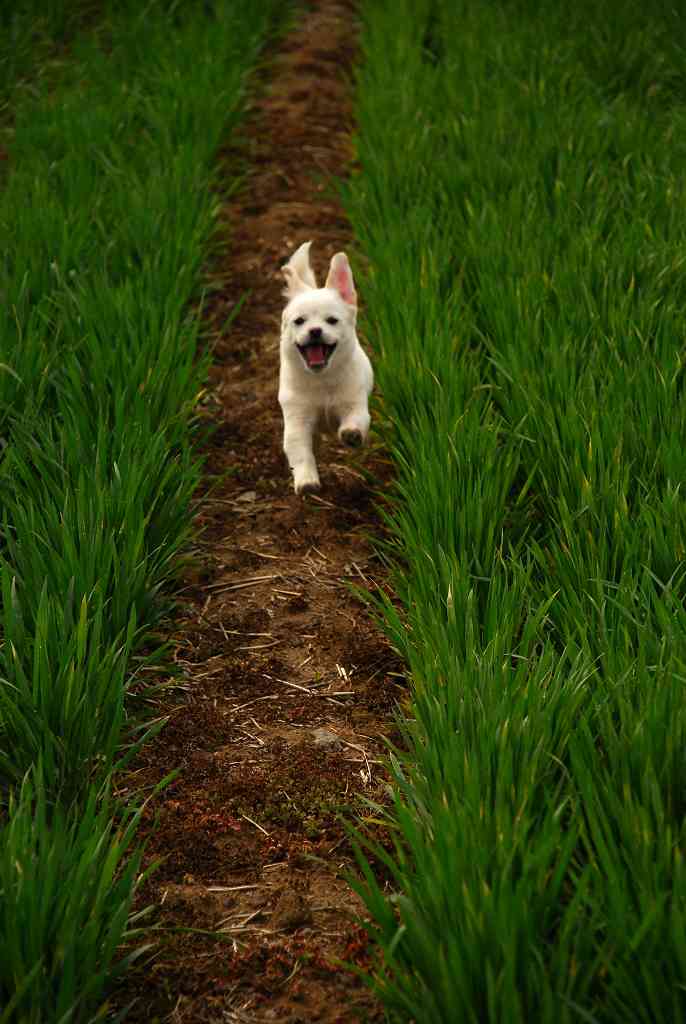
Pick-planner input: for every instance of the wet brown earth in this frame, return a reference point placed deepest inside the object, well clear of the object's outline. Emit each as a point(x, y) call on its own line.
point(285, 689)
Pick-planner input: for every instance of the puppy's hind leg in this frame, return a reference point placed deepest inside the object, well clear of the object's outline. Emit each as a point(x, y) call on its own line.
point(297, 444)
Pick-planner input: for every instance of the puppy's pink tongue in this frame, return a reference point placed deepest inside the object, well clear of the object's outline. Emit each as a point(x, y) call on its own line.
point(315, 355)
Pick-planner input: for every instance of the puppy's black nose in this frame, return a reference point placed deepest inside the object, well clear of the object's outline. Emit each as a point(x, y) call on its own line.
point(315, 333)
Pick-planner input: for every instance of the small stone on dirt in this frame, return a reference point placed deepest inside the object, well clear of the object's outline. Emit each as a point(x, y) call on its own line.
point(193, 904)
point(291, 911)
point(326, 739)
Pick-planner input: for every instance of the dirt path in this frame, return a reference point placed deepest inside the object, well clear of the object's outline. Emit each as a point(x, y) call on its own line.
point(288, 687)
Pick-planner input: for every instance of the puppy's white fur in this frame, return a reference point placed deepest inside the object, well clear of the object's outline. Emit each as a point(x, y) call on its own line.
point(319, 385)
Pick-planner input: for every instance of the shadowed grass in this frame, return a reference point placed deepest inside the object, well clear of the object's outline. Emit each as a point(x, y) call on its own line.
point(68, 877)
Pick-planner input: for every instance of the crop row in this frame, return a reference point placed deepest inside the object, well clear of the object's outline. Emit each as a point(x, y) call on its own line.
point(115, 112)
point(521, 204)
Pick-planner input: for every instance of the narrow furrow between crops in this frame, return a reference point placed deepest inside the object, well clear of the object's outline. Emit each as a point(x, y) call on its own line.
point(278, 720)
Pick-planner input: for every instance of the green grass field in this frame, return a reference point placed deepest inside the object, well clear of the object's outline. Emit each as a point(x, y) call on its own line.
point(520, 215)
point(521, 204)
point(114, 115)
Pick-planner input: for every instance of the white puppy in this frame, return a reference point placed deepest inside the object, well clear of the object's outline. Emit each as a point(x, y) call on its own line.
point(325, 377)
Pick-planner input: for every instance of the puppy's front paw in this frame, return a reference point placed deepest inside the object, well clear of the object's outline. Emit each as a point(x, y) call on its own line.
point(306, 483)
point(351, 437)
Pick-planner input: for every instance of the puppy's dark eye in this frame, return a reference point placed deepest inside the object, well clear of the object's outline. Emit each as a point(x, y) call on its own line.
point(332, 319)
point(299, 321)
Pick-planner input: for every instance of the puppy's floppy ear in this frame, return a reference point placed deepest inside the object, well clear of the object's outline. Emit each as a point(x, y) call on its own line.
point(298, 272)
point(340, 278)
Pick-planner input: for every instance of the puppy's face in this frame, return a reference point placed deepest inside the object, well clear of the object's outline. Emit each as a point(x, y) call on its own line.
point(318, 324)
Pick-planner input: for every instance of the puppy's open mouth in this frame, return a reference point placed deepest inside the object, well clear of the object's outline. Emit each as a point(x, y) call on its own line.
point(316, 354)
